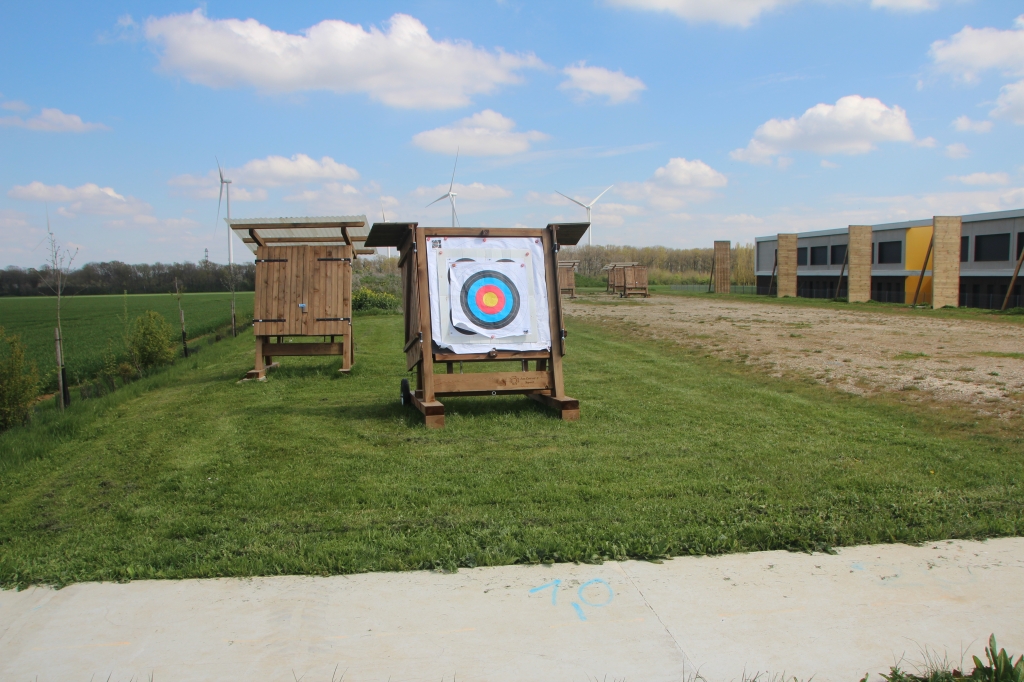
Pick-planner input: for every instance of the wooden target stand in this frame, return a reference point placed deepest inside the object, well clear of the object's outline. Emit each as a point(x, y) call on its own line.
point(543, 382)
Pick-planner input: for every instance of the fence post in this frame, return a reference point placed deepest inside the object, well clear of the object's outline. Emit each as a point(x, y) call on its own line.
point(60, 368)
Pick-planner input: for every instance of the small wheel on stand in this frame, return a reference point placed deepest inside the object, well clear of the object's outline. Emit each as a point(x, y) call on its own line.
point(406, 393)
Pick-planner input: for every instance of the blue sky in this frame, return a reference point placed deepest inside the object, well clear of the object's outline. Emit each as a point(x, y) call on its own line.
point(713, 119)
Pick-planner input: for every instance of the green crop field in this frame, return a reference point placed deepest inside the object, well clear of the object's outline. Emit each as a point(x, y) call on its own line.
point(188, 473)
point(89, 321)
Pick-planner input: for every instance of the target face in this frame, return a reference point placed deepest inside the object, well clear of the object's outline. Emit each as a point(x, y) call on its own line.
point(490, 299)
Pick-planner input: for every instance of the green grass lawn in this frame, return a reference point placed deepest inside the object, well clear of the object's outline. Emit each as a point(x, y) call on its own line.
point(89, 321)
point(190, 474)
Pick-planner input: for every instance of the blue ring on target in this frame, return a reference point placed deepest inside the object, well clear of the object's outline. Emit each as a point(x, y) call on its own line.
point(497, 283)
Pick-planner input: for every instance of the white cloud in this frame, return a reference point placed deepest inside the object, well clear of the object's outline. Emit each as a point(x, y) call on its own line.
point(675, 184)
point(906, 5)
point(735, 13)
point(957, 150)
point(88, 198)
point(825, 163)
point(208, 187)
point(275, 171)
point(52, 121)
point(965, 125)
point(15, 105)
point(473, 192)
point(1011, 103)
point(486, 133)
point(743, 13)
point(975, 50)
point(402, 66)
point(983, 179)
point(595, 80)
point(853, 125)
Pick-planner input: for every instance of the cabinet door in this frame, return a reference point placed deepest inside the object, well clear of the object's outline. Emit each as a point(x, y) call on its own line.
point(329, 282)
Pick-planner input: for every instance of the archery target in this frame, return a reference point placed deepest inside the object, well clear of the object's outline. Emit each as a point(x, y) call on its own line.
point(488, 318)
point(490, 299)
point(487, 297)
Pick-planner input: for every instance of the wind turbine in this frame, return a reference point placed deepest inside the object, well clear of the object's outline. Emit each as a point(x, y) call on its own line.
point(384, 219)
point(450, 195)
point(231, 244)
point(590, 232)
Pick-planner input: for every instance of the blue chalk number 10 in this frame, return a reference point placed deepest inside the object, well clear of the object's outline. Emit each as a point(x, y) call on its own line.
point(554, 585)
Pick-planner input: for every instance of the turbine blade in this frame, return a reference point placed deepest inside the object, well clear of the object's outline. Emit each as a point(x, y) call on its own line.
point(452, 183)
point(457, 221)
point(219, 198)
point(600, 195)
point(443, 196)
point(571, 199)
point(220, 172)
point(382, 216)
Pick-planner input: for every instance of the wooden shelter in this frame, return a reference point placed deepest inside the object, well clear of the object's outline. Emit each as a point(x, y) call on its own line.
point(303, 285)
point(567, 277)
point(627, 279)
point(515, 275)
point(634, 281)
point(615, 275)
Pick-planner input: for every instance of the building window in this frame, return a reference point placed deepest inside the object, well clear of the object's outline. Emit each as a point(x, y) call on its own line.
point(838, 254)
point(890, 252)
point(872, 253)
point(965, 249)
point(819, 255)
point(801, 256)
point(1020, 244)
point(992, 247)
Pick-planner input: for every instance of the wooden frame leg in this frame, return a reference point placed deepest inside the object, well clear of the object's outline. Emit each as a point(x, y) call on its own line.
point(259, 370)
point(346, 351)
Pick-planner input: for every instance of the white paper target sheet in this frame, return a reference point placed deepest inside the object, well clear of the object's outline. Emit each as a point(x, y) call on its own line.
point(488, 293)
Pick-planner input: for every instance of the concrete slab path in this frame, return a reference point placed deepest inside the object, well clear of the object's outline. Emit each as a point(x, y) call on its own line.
point(833, 617)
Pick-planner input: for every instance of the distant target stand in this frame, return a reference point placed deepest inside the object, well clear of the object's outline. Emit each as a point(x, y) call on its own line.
point(481, 295)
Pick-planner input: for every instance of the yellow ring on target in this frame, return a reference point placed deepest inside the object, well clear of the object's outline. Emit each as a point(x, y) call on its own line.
point(490, 299)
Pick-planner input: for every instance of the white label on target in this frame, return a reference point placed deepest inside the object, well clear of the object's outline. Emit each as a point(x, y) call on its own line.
point(490, 298)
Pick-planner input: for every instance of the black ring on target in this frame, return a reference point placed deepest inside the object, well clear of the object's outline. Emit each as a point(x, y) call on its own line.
point(478, 305)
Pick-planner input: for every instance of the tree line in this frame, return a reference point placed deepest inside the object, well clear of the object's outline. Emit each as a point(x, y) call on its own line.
point(665, 265)
point(115, 277)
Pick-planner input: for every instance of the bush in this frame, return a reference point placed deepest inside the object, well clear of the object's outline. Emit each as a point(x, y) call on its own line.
point(367, 299)
point(19, 382)
point(149, 342)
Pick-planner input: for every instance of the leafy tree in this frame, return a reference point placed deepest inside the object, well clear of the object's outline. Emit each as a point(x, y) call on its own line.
point(149, 341)
point(19, 382)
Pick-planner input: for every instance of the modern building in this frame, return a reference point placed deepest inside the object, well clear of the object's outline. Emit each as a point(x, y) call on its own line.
point(989, 246)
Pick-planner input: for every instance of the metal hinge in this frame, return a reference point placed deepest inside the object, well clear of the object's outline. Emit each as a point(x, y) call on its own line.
point(345, 260)
point(280, 320)
point(333, 319)
point(271, 260)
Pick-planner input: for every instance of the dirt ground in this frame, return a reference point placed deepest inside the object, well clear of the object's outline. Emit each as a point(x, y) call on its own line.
point(975, 363)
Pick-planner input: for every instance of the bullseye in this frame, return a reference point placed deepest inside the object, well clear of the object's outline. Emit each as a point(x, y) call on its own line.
point(490, 299)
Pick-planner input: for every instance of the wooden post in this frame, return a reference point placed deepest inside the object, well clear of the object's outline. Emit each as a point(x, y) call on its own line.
point(842, 271)
point(946, 231)
point(1013, 280)
point(426, 367)
point(60, 368)
point(924, 267)
point(181, 314)
point(775, 266)
point(788, 269)
point(721, 268)
point(711, 277)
